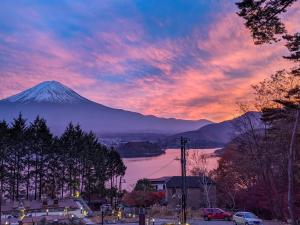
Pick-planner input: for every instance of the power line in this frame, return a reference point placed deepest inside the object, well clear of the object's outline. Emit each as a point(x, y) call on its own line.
point(163, 167)
point(155, 171)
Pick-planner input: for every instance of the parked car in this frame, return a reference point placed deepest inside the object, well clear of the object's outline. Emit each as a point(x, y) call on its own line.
point(216, 213)
point(246, 218)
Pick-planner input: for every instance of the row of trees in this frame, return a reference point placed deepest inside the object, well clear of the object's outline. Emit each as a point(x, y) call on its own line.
point(260, 169)
point(35, 164)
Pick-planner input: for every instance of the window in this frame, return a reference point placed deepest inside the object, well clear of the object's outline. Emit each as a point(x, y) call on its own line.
point(217, 211)
point(210, 210)
point(250, 215)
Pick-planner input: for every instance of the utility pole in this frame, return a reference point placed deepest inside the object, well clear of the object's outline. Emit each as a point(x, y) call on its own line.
point(1, 203)
point(183, 142)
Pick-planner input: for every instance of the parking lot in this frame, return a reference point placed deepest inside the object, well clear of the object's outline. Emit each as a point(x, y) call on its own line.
point(196, 222)
point(213, 222)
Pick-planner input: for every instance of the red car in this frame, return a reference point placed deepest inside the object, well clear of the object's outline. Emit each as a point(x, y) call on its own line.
point(216, 213)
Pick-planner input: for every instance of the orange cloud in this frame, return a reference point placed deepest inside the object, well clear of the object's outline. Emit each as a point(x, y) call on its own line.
point(208, 90)
point(190, 77)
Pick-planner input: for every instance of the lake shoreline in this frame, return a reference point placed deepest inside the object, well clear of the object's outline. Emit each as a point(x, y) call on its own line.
point(144, 155)
point(217, 153)
point(167, 164)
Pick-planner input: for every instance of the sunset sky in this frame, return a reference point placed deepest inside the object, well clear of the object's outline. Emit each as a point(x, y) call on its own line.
point(183, 59)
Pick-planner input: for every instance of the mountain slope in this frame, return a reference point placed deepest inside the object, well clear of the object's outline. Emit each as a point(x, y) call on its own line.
point(218, 134)
point(59, 105)
point(48, 91)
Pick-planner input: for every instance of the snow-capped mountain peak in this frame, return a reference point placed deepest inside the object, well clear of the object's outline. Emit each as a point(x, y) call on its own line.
point(48, 91)
point(59, 105)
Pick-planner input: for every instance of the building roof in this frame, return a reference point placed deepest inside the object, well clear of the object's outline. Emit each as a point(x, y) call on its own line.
point(160, 180)
point(191, 181)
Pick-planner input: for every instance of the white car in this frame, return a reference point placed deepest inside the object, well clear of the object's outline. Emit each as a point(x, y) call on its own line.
point(246, 218)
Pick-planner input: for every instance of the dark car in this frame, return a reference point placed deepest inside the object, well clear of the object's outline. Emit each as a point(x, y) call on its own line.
point(216, 213)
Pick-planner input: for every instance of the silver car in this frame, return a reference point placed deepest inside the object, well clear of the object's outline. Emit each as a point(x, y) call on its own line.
point(246, 218)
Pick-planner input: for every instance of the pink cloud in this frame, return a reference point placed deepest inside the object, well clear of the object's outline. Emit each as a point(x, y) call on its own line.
point(43, 59)
point(231, 49)
point(207, 87)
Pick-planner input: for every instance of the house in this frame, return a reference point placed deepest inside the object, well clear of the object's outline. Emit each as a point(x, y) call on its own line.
point(200, 190)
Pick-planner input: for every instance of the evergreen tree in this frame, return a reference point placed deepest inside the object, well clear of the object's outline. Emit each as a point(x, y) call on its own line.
point(71, 143)
point(54, 170)
point(116, 169)
point(15, 154)
point(40, 143)
point(33, 161)
point(3, 154)
point(88, 157)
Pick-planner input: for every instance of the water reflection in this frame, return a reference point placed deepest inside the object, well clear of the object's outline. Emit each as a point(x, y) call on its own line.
point(167, 164)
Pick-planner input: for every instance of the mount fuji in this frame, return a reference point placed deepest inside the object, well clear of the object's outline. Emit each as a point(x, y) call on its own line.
point(48, 91)
point(60, 105)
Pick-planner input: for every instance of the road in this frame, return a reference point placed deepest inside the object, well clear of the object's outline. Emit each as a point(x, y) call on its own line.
point(201, 222)
point(191, 222)
point(196, 222)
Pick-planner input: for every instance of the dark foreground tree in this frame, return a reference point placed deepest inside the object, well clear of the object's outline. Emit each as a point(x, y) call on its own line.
point(40, 141)
point(143, 185)
point(17, 143)
point(34, 164)
point(3, 155)
point(143, 195)
point(264, 19)
point(255, 163)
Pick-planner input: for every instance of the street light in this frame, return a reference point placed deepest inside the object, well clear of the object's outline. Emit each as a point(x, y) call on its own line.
point(119, 215)
point(76, 194)
point(102, 217)
point(153, 221)
point(65, 211)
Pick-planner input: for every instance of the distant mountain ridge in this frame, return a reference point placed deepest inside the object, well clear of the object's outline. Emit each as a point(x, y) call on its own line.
point(60, 105)
point(217, 134)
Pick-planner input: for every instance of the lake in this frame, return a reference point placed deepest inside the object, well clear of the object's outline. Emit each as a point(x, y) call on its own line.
point(167, 164)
